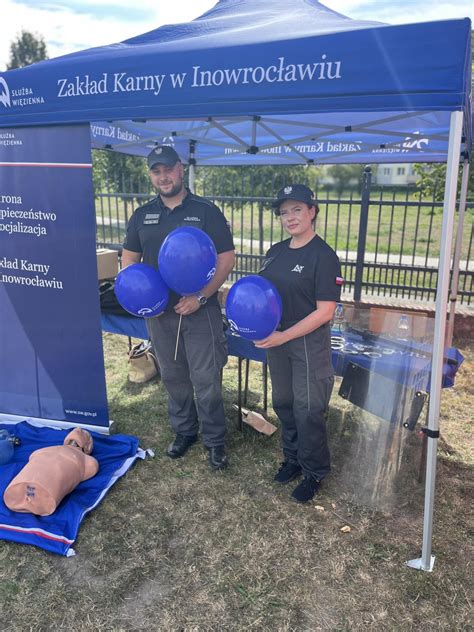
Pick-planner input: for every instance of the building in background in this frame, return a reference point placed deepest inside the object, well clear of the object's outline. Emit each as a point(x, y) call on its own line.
point(395, 175)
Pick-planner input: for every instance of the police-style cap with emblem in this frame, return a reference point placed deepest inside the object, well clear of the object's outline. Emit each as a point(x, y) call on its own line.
point(298, 192)
point(162, 154)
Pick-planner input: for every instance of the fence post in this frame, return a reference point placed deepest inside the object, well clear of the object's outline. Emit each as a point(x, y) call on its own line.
point(261, 232)
point(363, 221)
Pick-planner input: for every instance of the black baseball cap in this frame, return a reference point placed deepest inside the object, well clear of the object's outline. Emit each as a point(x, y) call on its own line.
point(162, 154)
point(298, 192)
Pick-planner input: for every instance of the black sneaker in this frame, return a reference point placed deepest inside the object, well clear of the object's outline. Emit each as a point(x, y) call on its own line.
point(180, 445)
point(288, 472)
point(217, 458)
point(306, 490)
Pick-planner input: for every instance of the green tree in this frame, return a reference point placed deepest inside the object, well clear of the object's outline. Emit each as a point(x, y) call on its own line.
point(263, 181)
point(345, 176)
point(119, 173)
point(27, 49)
point(431, 181)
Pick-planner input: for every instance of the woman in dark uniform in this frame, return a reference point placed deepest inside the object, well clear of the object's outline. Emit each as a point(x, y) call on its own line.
point(307, 274)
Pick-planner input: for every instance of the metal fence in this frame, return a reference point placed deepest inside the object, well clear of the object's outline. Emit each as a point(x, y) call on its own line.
point(388, 240)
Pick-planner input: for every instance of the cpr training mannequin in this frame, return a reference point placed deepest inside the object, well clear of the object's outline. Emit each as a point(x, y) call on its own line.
point(52, 473)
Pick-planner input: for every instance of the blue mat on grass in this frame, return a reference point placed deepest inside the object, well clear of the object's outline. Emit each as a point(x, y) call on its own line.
point(57, 533)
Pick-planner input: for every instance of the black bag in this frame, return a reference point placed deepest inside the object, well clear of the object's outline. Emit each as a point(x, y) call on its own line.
point(108, 300)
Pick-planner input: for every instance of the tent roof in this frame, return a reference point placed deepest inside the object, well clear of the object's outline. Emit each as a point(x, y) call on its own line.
point(253, 81)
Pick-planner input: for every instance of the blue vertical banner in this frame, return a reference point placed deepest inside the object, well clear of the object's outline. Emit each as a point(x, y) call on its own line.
point(51, 358)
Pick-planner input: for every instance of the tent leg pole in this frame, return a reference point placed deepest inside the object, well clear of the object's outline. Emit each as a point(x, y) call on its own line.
point(457, 253)
point(192, 166)
point(191, 178)
point(426, 562)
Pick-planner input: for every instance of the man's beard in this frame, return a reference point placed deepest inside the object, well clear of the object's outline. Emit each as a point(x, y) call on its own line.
point(177, 188)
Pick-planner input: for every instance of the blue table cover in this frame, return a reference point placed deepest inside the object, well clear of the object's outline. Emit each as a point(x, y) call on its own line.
point(405, 362)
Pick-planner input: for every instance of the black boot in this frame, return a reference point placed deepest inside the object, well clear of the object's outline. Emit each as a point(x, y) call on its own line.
point(180, 445)
point(288, 472)
point(306, 490)
point(217, 458)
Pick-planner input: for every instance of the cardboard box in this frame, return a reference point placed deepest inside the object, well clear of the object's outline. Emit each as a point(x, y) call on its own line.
point(416, 325)
point(107, 263)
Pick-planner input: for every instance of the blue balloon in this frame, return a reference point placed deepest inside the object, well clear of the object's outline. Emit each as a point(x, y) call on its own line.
point(187, 260)
point(140, 290)
point(253, 307)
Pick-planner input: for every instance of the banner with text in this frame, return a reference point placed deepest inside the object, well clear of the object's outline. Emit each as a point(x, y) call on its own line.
point(51, 359)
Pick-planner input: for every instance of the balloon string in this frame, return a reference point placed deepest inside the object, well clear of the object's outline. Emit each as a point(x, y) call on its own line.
point(177, 337)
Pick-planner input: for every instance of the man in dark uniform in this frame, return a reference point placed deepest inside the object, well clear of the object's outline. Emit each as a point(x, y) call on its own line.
point(193, 379)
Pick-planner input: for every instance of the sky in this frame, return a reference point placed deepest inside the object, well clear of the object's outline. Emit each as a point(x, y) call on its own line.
point(70, 25)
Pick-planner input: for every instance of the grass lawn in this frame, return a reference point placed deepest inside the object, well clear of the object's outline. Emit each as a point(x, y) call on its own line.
point(392, 228)
point(174, 546)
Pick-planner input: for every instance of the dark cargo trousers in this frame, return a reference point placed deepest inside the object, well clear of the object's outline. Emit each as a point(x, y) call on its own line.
point(301, 399)
point(193, 380)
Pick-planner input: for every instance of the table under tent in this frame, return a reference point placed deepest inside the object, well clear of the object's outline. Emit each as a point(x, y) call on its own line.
point(254, 83)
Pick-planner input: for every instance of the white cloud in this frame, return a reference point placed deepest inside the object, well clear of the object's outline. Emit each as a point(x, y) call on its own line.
point(66, 30)
point(403, 11)
point(75, 24)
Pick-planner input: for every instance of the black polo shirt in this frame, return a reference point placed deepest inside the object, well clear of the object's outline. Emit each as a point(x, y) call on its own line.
point(302, 276)
point(151, 223)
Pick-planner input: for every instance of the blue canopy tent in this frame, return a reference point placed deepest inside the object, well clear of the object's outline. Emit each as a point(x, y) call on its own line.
point(258, 82)
point(253, 82)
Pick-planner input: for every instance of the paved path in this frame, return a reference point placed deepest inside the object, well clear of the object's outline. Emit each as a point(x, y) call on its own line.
point(394, 259)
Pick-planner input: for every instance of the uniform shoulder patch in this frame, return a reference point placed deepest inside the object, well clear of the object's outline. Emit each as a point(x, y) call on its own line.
point(266, 263)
